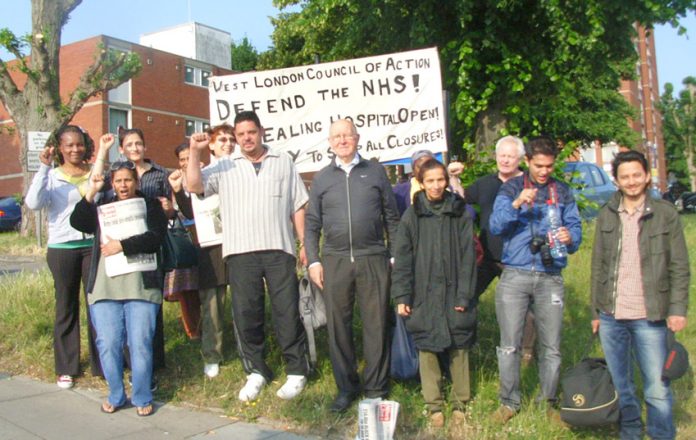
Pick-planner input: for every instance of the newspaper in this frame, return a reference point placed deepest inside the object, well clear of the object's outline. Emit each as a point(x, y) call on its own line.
point(208, 222)
point(120, 220)
point(377, 419)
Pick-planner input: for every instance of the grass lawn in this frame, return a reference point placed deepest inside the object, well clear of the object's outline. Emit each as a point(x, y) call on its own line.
point(26, 349)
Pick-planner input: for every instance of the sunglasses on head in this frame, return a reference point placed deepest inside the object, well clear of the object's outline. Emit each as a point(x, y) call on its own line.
point(127, 164)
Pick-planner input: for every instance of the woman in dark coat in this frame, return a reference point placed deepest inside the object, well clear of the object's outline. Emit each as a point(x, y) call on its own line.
point(433, 287)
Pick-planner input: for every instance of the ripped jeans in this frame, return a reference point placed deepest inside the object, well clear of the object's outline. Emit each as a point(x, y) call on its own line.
point(517, 291)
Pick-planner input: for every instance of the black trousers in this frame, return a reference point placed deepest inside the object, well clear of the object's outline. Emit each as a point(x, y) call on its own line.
point(247, 273)
point(367, 279)
point(69, 267)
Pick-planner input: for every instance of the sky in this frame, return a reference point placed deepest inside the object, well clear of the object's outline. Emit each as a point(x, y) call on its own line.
point(676, 55)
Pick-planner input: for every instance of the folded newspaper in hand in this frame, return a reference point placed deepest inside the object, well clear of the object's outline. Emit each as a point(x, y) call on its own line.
point(120, 220)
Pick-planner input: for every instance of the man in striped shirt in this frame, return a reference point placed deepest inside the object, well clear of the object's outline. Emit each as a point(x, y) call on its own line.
point(262, 199)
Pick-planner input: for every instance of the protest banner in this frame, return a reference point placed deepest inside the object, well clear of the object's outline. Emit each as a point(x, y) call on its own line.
point(395, 101)
point(120, 220)
point(206, 211)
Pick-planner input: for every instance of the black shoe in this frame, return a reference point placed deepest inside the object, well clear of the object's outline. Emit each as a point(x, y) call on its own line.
point(374, 394)
point(342, 402)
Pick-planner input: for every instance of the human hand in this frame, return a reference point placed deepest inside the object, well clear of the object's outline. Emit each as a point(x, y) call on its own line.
point(676, 323)
point(316, 274)
point(106, 141)
point(111, 247)
point(564, 236)
point(302, 256)
point(460, 309)
point(199, 141)
point(46, 156)
point(595, 326)
point(455, 168)
point(403, 309)
point(528, 195)
point(176, 180)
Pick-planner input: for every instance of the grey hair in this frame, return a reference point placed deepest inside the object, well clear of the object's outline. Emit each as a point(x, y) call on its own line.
point(514, 140)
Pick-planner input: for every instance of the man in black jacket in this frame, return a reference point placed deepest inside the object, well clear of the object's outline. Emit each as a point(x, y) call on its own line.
point(352, 202)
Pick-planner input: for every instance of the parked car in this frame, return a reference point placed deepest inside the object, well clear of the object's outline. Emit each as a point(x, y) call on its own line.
point(10, 214)
point(592, 183)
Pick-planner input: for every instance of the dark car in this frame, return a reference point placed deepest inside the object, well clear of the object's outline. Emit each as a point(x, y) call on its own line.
point(10, 214)
point(593, 183)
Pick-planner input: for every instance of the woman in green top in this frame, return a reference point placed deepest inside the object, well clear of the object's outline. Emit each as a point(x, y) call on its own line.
point(124, 306)
point(69, 250)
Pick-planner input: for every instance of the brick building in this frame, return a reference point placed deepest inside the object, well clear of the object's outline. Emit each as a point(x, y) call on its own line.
point(643, 94)
point(168, 100)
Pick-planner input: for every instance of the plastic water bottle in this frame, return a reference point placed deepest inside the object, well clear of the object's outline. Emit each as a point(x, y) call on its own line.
point(558, 249)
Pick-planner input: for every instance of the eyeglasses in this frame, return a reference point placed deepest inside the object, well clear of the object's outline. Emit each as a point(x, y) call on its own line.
point(340, 137)
point(119, 165)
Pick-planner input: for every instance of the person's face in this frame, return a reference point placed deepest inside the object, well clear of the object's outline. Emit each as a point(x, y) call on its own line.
point(183, 159)
point(72, 148)
point(417, 164)
point(434, 183)
point(222, 144)
point(540, 168)
point(124, 184)
point(249, 137)
point(133, 148)
point(343, 140)
point(507, 159)
point(632, 179)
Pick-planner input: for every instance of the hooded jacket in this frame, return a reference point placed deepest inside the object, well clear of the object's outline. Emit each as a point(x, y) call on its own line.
point(434, 271)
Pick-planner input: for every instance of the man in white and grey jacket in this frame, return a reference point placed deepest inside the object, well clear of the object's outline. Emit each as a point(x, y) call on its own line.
point(352, 203)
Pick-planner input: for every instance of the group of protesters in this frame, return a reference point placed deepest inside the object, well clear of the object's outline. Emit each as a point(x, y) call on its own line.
point(413, 246)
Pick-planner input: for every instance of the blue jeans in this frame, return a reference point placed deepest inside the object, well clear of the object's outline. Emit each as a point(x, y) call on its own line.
point(517, 291)
point(645, 341)
point(115, 321)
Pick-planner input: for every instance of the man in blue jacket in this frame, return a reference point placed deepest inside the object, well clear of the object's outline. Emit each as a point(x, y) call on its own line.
point(531, 277)
point(352, 203)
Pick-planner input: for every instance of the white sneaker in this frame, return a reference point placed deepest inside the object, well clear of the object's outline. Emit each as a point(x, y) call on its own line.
point(65, 382)
point(292, 387)
point(211, 370)
point(252, 388)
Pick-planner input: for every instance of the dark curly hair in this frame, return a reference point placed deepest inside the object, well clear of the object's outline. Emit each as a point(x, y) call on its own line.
point(56, 137)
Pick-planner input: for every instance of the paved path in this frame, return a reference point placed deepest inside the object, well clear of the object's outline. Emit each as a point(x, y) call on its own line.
point(32, 410)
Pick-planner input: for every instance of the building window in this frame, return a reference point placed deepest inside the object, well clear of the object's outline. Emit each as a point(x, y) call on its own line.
point(196, 76)
point(194, 126)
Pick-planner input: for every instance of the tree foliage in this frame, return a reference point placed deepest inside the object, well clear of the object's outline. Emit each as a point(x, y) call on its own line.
point(679, 129)
point(244, 56)
point(511, 66)
point(36, 105)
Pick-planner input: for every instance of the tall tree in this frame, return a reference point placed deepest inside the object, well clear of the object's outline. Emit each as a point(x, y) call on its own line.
point(679, 128)
point(244, 56)
point(36, 105)
point(509, 65)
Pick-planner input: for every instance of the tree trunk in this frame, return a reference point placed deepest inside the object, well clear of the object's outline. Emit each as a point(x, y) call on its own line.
point(488, 128)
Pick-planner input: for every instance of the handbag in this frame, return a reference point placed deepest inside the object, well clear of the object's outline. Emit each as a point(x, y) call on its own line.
point(178, 250)
point(404, 355)
point(312, 312)
point(589, 397)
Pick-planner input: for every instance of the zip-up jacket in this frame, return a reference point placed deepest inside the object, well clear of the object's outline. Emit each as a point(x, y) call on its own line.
point(50, 190)
point(353, 211)
point(664, 259)
point(515, 225)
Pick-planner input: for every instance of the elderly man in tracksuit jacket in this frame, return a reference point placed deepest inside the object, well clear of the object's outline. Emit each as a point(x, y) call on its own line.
point(352, 202)
point(640, 290)
point(519, 216)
